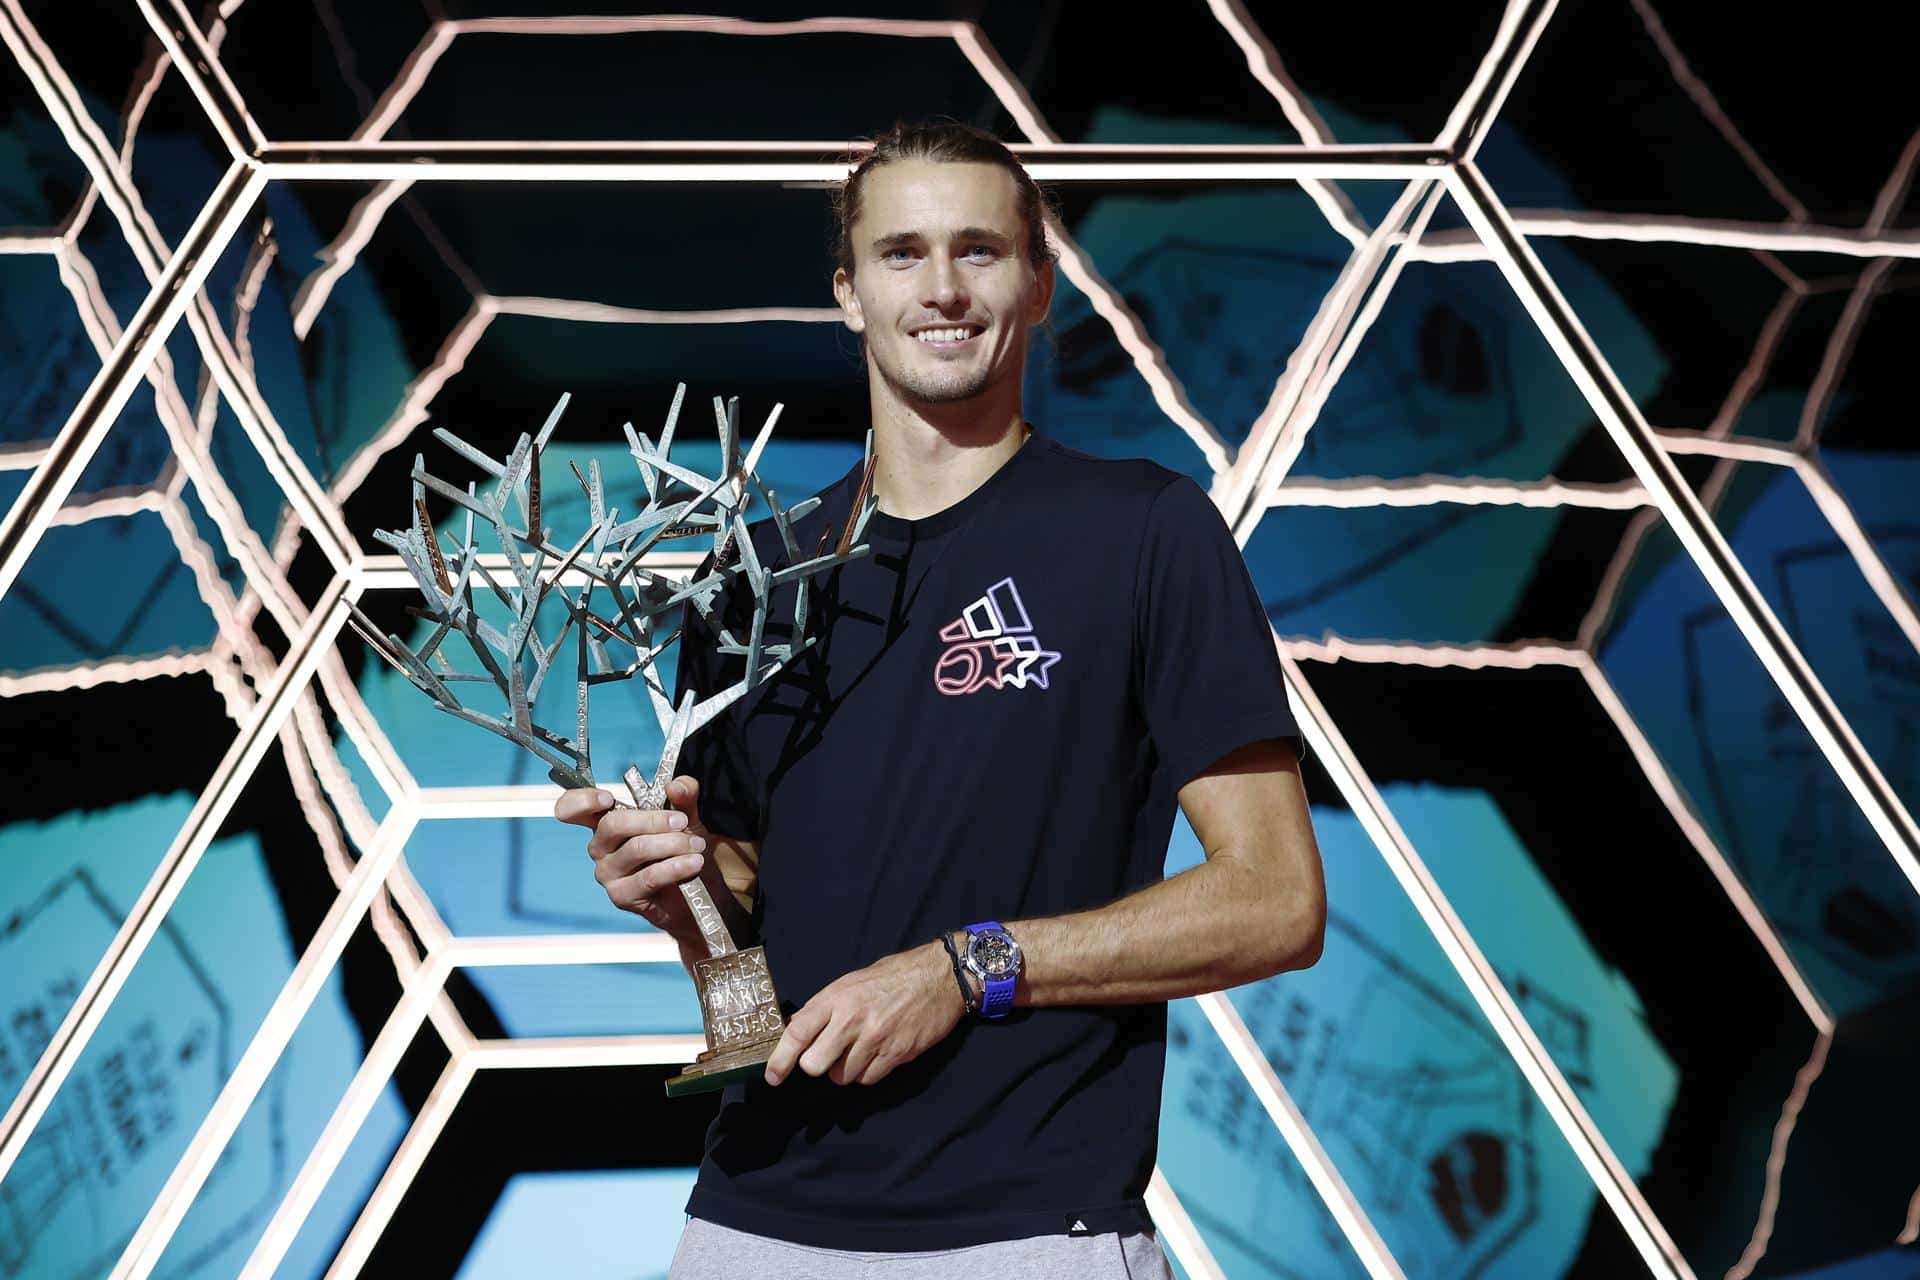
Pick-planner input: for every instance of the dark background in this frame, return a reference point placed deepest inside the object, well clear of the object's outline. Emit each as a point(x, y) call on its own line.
point(1824, 93)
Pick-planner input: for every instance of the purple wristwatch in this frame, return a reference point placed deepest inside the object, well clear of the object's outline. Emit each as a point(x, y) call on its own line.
point(994, 958)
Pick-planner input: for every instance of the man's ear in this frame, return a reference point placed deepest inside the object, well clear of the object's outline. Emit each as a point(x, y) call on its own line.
point(849, 301)
point(1043, 281)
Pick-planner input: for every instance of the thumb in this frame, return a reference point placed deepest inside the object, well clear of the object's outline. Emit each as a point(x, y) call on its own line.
point(683, 793)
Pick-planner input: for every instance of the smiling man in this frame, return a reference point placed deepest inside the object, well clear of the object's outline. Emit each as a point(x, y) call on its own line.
point(949, 819)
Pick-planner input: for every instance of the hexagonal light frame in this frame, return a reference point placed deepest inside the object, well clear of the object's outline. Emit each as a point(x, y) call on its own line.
point(1248, 481)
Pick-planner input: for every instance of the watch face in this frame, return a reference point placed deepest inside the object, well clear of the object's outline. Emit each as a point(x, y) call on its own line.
point(994, 954)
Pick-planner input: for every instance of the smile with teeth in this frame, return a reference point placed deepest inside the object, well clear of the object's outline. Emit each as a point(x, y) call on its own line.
point(958, 333)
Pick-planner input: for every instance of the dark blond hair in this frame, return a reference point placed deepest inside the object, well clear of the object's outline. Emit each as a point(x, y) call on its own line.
point(941, 142)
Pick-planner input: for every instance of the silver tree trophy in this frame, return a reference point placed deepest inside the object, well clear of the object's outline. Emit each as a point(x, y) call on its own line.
point(737, 1000)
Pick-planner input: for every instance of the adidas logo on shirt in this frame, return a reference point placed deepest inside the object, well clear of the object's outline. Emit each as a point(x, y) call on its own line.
point(991, 645)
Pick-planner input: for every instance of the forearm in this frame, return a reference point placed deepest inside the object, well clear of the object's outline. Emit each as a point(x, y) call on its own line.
point(1215, 925)
point(1235, 918)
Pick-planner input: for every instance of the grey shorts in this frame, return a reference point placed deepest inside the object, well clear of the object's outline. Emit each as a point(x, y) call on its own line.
point(709, 1251)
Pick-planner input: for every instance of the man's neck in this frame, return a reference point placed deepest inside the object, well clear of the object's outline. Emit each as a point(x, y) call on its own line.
point(925, 465)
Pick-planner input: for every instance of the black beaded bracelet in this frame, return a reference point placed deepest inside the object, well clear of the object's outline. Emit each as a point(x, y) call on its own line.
point(959, 974)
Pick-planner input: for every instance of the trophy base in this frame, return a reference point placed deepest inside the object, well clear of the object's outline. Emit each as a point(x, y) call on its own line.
point(712, 1070)
point(742, 1017)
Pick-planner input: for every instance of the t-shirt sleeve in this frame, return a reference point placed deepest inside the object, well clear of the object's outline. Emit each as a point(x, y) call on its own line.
point(1209, 678)
point(717, 754)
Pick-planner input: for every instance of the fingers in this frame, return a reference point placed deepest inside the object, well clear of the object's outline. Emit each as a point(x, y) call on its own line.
point(617, 826)
point(634, 891)
point(862, 1026)
point(683, 793)
point(799, 1036)
point(638, 853)
point(582, 806)
point(643, 852)
point(852, 1065)
point(830, 1045)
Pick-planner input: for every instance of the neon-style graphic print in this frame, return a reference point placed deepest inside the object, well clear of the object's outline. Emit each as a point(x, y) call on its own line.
point(992, 645)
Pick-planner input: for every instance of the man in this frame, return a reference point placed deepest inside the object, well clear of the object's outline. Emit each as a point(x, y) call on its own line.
point(983, 749)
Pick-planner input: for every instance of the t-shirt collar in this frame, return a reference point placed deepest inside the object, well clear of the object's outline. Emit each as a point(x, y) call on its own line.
point(894, 531)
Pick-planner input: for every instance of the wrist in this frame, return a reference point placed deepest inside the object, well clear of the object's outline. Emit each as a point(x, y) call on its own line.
point(992, 957)
point(949, 950)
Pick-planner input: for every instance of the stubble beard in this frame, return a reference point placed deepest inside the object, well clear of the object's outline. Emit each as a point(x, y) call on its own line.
point(919, 385)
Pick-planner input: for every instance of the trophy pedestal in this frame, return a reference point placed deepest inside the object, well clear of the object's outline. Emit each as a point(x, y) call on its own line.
point(737, 1003)
point(742, 1017)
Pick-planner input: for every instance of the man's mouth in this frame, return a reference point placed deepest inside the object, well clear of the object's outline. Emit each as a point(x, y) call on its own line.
point(949, 335)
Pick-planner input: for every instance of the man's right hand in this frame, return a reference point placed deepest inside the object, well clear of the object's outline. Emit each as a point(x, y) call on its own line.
point(641, 855)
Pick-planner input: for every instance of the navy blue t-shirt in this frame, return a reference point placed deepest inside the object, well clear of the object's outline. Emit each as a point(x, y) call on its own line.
point(1002, 701)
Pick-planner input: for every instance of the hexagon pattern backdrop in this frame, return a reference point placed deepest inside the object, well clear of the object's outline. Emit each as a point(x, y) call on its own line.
point(1608, 664)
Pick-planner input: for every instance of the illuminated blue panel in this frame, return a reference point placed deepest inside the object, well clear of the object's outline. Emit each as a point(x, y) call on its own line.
point(1453, 378)
point(585, 1226)
point(55, 616)
point(1406, 1085)
point(46, 357)
point(1083, 390)
point(360, 775)
point(1224, 283)
point(331, 391)
point(1443, 573)
point(1586, 1014)
point(289, 1114)
point(1231, 1169)
point(513, 875)
point(1771, 799)
point(1894, 1264)
point(141, 1087)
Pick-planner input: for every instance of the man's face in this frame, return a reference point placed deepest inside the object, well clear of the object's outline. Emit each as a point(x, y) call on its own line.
point(941, 289)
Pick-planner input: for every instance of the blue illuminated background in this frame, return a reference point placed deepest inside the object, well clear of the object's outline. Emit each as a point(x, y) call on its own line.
point(1541, 686)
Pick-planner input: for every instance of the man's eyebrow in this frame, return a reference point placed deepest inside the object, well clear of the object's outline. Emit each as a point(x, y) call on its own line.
point(897, 239)
point(983, 233)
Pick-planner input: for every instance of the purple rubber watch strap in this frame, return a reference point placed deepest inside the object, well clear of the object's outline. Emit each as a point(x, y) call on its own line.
point(996, 994)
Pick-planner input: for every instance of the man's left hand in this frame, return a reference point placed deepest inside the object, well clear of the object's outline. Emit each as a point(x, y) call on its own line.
point(861, 1026)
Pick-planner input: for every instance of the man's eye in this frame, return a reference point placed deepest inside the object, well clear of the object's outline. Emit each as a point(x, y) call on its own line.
point(898, 255)
point(982, 251)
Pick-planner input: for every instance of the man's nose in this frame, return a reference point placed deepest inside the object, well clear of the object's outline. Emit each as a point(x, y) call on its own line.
point(945, 290)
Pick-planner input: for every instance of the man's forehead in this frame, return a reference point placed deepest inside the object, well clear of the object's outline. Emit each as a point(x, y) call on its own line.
point(930, 198)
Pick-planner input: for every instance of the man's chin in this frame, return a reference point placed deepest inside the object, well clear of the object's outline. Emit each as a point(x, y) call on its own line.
point(952, 395)
point(942, 391)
